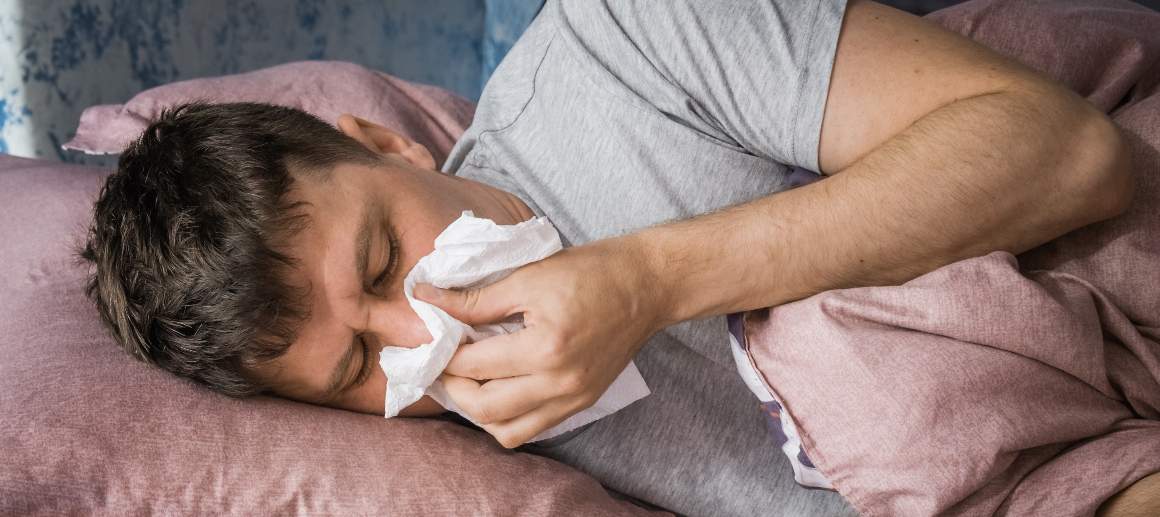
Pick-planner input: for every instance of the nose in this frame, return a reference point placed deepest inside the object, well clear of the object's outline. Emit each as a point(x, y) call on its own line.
point(394, 323)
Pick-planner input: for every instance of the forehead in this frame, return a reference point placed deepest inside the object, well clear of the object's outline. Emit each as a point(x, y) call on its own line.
point(327, 193)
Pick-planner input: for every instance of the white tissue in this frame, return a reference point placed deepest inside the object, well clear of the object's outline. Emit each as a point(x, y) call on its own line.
point(473, 252)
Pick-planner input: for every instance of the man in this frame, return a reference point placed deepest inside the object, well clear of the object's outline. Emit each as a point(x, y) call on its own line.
point(654, 135)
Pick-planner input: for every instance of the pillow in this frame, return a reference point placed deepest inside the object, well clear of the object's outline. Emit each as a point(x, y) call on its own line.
point(87, 430)
point(426, 114)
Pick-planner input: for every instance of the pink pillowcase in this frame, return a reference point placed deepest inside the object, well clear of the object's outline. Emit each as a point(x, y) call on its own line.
point(426, 114)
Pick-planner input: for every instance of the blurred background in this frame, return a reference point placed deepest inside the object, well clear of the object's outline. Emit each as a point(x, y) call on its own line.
point(58, 57)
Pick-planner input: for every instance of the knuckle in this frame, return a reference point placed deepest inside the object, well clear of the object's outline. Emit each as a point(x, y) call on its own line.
point(468, 299)
point(474, 371)
point(554, 350)
point(485, 417)
point(508, 440)
point(583, 401)
point(572, 384)
point(588, 400)
point(544, 357)
point(482, 414)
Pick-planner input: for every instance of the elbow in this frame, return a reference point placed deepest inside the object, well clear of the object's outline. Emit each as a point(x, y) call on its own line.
point(1104, 171)
point(1092, 162)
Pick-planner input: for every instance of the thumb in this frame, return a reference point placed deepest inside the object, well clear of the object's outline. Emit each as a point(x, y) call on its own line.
point(471, 306)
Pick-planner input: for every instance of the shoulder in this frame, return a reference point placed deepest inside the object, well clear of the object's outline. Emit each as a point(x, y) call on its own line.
point(513, 83)
point(509, 90)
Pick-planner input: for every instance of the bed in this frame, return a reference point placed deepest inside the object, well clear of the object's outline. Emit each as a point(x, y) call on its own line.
point(87, 430)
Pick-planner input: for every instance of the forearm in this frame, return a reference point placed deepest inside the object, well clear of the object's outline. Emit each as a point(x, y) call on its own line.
point(992, 172)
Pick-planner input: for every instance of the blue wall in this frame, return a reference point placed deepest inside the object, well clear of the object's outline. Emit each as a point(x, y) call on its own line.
point(60, 56)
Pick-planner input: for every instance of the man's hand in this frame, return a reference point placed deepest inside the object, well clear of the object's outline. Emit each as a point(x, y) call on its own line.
point(586, 312)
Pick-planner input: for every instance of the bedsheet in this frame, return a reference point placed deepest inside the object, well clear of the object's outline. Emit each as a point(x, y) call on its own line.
point(1024, 385)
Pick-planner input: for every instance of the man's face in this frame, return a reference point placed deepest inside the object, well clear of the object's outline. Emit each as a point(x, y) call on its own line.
point(351, 319)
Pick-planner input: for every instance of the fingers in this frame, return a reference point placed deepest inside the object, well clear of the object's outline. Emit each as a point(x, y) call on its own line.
point(526, 418)
point(499, 400)
point(520, 430)
point(471, 306)
point(497, 357)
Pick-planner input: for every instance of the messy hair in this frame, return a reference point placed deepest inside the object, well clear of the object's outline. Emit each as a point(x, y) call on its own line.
point(187, 236)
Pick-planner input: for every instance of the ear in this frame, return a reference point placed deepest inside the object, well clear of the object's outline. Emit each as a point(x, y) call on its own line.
point(384, 141)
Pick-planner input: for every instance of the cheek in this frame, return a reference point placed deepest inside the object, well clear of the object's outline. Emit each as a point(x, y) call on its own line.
point(418, 227)
point(371, 397)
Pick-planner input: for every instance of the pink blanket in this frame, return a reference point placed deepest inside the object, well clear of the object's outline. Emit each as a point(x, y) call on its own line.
point(1014, 385)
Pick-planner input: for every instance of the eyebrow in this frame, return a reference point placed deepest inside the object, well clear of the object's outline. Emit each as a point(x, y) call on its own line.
point(362, 247)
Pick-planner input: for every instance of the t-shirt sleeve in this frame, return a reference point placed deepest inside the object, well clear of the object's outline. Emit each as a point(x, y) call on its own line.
point(755, 72)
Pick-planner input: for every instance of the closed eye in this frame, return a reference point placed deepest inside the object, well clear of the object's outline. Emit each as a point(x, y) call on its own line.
point(392, 262)
point(364, 369)
point(388, 273)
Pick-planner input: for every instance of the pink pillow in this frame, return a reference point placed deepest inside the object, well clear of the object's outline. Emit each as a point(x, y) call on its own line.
point(426, 114)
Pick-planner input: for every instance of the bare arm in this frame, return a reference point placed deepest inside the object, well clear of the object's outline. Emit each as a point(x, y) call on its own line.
point(939, 150)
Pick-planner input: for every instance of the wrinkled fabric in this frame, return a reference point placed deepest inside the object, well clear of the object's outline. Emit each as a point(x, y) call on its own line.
point(1024, 385)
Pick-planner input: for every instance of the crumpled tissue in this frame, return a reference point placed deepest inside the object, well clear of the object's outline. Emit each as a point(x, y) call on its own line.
point(470, 253)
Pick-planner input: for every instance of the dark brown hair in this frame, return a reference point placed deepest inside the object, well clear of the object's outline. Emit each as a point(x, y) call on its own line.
point(186, 232)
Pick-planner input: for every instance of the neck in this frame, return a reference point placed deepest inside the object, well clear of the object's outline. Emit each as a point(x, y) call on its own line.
point(509, 208)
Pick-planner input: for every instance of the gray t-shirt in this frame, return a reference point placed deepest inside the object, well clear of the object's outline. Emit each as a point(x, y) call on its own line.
point(611, 116)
